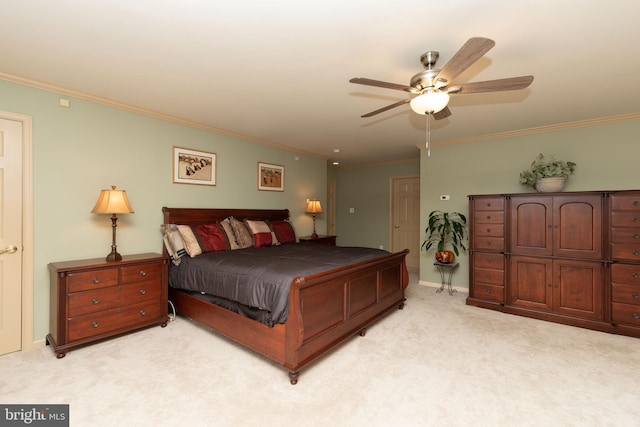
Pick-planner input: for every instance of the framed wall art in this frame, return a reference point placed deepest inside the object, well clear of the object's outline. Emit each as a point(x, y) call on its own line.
point(193, 166)
point(270, 177)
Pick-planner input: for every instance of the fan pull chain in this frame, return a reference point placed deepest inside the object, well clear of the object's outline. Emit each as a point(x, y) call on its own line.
point(428, 135)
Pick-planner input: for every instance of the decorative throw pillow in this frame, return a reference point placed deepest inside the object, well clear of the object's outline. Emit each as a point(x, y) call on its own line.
point(211, 237)
point(243, 237)
point(284, 231)
point(262, 233)
point(231, 237)
point(191, 244)
point(203, 238)
point(173, 242)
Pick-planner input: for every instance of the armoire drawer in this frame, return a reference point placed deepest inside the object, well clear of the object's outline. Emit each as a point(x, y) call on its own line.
point(488, 292)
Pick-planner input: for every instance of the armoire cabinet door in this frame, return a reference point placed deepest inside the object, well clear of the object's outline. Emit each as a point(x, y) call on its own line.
point(577, 288)
point(577, 226)
point(531, 282)
point(531, 226)
point(559, 226)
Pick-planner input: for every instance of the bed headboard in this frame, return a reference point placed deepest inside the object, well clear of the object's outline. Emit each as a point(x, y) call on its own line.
point(198, 216)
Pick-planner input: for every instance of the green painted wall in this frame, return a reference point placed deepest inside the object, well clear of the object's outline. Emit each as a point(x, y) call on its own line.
point(80, 150)
point(368, 191)
point(606, 154)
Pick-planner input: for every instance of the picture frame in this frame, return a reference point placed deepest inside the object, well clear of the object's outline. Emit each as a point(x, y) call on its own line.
point(193, 166)
point(270, 177)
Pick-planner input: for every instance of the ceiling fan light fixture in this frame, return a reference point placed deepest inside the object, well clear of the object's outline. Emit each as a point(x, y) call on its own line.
point(430, 102)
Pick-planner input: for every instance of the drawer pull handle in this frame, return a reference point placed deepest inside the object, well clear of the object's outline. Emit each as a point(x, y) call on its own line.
point(143, 292)
point(635, 252)
point(95, 301)
point(488, 292)
point(488, 216)
point(634, 275)
point(488, 205)
point(488, 261)
point(635, 295)
point(636, 203)
point(488, 276)
point(94, 324)
point(636, 236)
point(142, 313)
point(143, 273)
point(488, 230)
point(635, 316)
point(95, 280)
point(635, 219)
point(488, 243)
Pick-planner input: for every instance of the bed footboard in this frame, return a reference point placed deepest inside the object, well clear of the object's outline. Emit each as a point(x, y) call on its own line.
point(327, 309)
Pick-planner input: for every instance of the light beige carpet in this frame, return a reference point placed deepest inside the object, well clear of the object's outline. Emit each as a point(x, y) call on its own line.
point(438, 362)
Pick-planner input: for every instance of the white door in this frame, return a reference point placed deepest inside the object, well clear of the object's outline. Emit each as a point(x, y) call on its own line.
point(331, 207)
point(405, 217)
point(10, 235)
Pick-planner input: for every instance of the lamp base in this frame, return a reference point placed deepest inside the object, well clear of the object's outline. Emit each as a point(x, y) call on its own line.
point(114, 256)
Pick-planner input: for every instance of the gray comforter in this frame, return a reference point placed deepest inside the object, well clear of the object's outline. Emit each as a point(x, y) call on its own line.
point(261, 277)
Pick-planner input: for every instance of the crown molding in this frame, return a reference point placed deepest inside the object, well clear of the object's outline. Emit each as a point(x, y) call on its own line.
point(536, 130)
point(147, 112)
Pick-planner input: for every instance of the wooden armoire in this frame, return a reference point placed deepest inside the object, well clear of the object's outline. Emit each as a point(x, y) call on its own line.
point(571, 258)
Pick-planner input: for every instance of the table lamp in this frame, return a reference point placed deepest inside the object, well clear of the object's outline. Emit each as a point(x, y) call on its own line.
point(314, 207)
point(113, 202)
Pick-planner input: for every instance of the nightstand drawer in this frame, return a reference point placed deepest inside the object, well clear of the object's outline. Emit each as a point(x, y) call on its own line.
point(126, 318)
point(94, 279)
point(115, 296)
point(135, 273)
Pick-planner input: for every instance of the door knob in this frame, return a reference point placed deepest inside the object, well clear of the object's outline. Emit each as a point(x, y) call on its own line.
point(9, 249)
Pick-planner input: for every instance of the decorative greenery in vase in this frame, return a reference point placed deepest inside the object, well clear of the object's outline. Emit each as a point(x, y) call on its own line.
point(446, 229)
point(543, 167)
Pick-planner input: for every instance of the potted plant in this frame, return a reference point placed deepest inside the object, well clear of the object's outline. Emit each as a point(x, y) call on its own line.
point(547, 174)
point(446, 229)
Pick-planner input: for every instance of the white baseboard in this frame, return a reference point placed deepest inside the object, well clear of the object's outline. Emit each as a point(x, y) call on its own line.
point(437, 285)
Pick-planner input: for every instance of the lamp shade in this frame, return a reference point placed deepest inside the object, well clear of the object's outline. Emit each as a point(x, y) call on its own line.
point(430, 102)
point(112, 202)
point(313, 207)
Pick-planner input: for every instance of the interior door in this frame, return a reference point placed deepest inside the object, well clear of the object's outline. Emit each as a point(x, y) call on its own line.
point(331, 207)
point(10, 235)
point(405, 217)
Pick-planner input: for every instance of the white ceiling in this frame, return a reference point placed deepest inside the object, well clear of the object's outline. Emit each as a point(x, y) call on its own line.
point(278, 71)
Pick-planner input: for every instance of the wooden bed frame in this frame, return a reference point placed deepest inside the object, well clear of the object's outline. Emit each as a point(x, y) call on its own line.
point(325, 309)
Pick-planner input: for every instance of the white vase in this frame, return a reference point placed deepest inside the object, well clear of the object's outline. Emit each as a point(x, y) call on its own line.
point(551, 185)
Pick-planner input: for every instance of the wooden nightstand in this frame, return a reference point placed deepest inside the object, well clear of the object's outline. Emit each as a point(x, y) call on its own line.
point(321, 240)
point(94, 299)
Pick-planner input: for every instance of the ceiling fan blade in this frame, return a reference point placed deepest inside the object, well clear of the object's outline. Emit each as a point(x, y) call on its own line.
point(388, 107)
point(442, 114)
point(469, 53)
point(512, 83)
point(378, 83)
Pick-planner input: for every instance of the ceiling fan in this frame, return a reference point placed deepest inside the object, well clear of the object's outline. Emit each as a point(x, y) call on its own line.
point(433, 87)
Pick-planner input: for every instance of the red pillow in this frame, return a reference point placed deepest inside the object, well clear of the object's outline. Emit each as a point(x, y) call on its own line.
point(284, 231)
point(211, 237)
